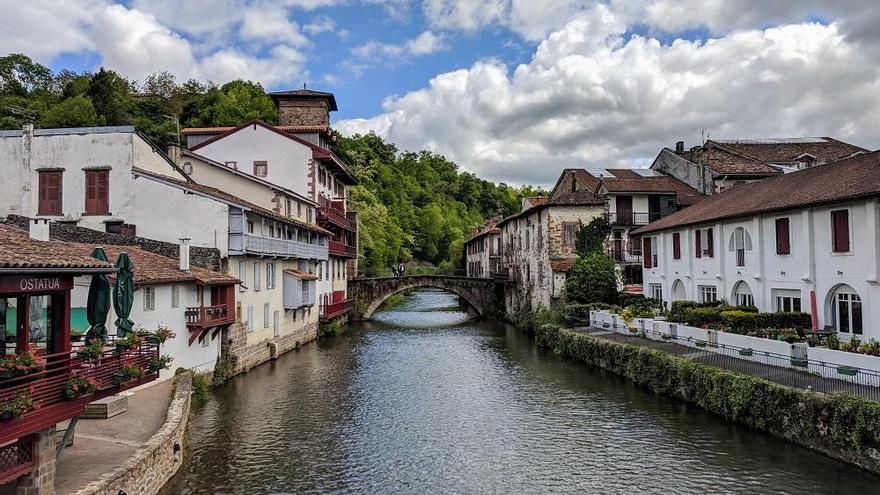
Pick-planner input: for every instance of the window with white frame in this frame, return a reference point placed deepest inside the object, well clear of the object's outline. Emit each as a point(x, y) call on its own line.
point(786, 300)
point(743, 295)
point(175, 296)
point(655, 291)
point(257, 275)
point(847, 310)
point(250, 318)
point(270, 275)
point(708, 293)
point(149, 298)
point(242, 275)
point(740, 242)
point(266, 315)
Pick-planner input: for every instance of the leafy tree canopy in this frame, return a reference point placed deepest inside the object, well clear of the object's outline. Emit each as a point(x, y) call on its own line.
point(592, 279)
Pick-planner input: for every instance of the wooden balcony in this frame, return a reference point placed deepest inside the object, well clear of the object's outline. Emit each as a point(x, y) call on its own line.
point(632, 218)
point(208, 316)
point(46, 387)
point(329, 214)
point(334, 310)
point(338, 248)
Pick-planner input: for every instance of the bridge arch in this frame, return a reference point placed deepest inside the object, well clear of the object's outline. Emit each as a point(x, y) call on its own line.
point(482, 294)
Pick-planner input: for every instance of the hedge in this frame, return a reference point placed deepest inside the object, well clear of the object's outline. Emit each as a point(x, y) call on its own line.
point(841, 426)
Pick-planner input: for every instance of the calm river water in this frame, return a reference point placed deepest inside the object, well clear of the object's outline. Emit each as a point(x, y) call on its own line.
point(426, 400)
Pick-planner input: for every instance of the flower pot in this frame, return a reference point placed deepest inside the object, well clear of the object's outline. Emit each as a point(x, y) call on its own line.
point(6, 415)
point(745, 352)
point(847, 371)
point(701, 343)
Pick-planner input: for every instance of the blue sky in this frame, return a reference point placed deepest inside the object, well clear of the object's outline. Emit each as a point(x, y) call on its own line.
point(514, 90)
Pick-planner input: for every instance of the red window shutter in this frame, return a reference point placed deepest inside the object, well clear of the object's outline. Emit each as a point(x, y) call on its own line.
point(709, 243)
point(97, 192)
point(646, 252)
point(699, 243)
point(49, 193)
point(783, 240)
point(676, 246)
point(840, 231)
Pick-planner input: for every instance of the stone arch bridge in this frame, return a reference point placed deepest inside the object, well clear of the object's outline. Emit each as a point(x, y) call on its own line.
point(484, 295)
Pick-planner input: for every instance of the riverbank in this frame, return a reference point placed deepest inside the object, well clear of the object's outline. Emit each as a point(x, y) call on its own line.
point(843, 427)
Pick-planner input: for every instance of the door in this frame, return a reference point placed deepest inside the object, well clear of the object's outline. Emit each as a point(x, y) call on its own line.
point(653, 208)
point(617, 246)
point(625, 210)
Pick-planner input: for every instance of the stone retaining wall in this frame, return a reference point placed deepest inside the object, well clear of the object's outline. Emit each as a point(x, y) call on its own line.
point(261, 352)
point(147, 471)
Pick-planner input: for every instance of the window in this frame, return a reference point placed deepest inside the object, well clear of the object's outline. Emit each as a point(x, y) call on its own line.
point(242, 275)
point(270, 275)
point(149, 298)
point(256, 275)
point(250, 318)
point(569, 233)
point(787, 300)
point(655, 292)
point(840, 231)
point(783, 236)
point(309, 215)
point(175, 296)
point(49, 193)
point(743, 295)
point(708, 293)
point(704, 243)
point(676, 246)
point(261, 168)
point(647, 252)
point(740, 242)
point(250, 226)
point(266, 315)
point(187, 167)
point(847, 311)
point(97, 192)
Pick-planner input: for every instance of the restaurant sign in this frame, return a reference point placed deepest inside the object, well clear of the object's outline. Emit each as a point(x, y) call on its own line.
point(34, 284)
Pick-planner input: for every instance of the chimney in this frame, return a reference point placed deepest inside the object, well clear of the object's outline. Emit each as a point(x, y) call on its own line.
point(694, 154)
point(184, 254)
point(679, 148)
point(174, 153)
point(39, 229)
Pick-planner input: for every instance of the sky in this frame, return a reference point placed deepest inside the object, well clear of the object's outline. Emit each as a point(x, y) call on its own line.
point(512, 90)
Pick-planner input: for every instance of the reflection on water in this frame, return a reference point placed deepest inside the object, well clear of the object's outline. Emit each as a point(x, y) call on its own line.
point(428, 400)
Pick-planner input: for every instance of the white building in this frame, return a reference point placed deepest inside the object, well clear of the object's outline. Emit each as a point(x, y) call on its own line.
point(775, 243)
point(482, 252)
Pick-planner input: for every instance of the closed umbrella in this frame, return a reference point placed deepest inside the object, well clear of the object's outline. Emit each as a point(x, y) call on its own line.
point(123, 294)
point(98, 304)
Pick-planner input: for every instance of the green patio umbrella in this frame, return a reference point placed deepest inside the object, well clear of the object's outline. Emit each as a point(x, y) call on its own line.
point(98, 304)
point(123, 294)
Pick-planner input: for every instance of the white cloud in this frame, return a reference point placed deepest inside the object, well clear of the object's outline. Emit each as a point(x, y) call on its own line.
point(271, 23)
point(43, 28)
point(591, 97)
point(321, 24)
point(423, 44)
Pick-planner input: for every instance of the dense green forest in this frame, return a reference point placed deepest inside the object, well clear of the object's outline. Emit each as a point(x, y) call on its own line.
point(413, 206)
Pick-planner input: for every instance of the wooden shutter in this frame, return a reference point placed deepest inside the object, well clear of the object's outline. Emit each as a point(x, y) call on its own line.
point(699, 242)
point(97, 192)
point(676, 246)
point(783, 240)
point(646, 252)
point(710, 244)
point(840, 231)
point(49, 193)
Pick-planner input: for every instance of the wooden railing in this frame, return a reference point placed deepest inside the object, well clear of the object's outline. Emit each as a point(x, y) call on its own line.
point(337, 217)
point(207, 315)
point(16, 459)
point(45, 388)
point(341, 249)
point(633, 217)
point(332, 310)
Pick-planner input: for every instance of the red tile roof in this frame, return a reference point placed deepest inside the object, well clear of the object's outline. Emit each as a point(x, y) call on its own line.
point(581, 197)
point(723, 161)
point(18, 250)
point(562, 265)
point(186, 131)
point(844, 180)
point(634, 183)
point(153, 269)
point(230, 199)
point(781, 150)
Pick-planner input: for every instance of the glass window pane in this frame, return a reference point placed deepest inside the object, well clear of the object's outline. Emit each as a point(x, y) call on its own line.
point(8, 327)
point(842, 315)
point(40, 321)
point(796, 304)
point(857, 318)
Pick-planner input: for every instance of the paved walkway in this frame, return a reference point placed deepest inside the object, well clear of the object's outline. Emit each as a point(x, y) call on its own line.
point(102, 445)
point(784, 376)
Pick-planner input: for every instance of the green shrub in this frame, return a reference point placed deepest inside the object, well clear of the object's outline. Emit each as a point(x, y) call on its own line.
point(201, 386)
point(592, 279)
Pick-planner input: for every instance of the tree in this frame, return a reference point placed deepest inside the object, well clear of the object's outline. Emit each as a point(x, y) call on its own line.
point(72, 112)
point(111, 96)
point(593, 278)
point(20, 76)
point(232, 104)
point(591, 237)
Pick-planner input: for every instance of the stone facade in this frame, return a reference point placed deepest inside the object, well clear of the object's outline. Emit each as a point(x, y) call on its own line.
point(41, 481)
point(303, 112)
point(147, 471)
point(249, 356)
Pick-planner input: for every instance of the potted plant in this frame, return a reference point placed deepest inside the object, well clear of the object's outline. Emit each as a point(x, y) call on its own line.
point(163, 333)
point(19, 364)
point(79, 386)
point(92, 350)
point(160, 363)
point(16, 406)
point(76, 335)
point(129, 342)
point(127, 373)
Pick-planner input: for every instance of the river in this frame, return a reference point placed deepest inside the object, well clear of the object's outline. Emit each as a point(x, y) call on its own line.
point(425, 399)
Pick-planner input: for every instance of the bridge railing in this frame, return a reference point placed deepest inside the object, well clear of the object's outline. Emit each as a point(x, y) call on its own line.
point(411, 270)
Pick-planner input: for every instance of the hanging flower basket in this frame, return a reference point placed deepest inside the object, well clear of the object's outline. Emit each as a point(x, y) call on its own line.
point(15, 407)
point(80, 386)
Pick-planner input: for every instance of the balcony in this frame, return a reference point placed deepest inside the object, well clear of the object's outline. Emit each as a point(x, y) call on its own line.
point(45, 388)
point(334, 310)
point(338, 248)
point(629, 218)
point(269, 246)
point(208, 316)
point(327, 213)
point(626, 254)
